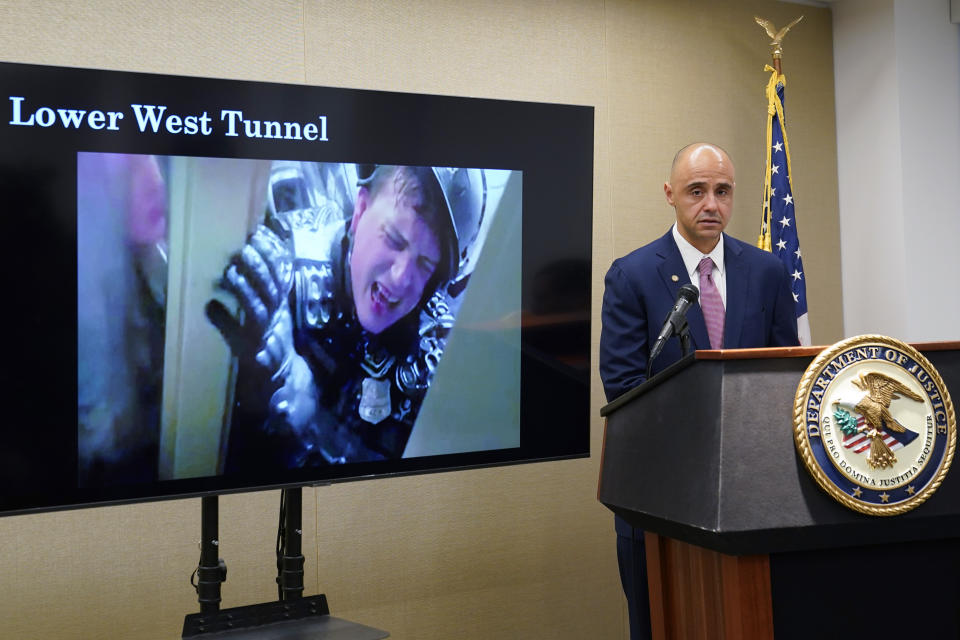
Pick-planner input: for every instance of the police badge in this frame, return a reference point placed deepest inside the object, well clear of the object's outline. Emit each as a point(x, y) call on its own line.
point(374, 400)
point(874, 425)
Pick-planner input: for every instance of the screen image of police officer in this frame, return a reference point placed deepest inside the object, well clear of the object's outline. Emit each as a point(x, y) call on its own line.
point(347, 293)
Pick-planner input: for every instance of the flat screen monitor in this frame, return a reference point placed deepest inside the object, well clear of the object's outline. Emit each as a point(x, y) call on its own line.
point(215, 286)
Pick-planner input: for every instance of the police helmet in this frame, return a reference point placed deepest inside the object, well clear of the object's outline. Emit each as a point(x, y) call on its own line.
point(465, 196)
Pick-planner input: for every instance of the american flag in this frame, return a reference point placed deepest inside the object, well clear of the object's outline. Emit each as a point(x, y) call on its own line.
point(860, 442)
point(778, 231)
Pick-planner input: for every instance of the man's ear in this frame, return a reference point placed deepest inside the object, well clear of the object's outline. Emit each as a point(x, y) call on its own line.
point(668, 192)
point(363, 201)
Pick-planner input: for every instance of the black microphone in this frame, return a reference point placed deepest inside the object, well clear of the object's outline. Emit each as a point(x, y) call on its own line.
point(675, 321)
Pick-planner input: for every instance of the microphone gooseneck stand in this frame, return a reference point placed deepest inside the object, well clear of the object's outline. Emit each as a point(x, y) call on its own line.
point(683, 332)
point(675, 324)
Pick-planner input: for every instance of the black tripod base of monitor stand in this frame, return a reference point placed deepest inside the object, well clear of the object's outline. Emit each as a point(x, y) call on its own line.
point(306, 618)
point(292, 617)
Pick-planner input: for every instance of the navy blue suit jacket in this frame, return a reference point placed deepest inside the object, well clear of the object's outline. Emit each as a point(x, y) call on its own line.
point(641, 288)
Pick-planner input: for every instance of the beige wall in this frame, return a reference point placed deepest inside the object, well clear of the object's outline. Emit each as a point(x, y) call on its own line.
point(522, 551)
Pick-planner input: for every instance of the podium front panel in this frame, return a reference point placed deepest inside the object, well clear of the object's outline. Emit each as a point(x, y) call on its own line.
point(708, 457)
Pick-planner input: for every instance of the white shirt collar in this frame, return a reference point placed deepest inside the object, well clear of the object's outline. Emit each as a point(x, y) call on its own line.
point(692, 256)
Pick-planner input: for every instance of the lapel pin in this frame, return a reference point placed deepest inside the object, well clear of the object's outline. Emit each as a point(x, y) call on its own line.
point(675, 278)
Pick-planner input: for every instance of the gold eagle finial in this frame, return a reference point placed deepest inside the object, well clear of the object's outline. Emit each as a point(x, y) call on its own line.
point(776, 37)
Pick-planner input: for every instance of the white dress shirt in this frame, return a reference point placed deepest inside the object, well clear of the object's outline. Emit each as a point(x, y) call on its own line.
point(691, 260)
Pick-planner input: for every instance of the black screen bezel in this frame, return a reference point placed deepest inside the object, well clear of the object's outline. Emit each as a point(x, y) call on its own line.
point(551, 144)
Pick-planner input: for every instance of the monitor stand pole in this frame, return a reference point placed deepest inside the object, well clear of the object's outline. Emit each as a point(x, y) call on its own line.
point(304, 617)
point(289, 556)
point(212, 570)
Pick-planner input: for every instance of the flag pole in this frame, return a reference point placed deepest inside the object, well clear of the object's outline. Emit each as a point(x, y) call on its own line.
point(779, 223)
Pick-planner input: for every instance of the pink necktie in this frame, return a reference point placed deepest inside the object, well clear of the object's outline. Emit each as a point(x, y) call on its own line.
point(711, 304)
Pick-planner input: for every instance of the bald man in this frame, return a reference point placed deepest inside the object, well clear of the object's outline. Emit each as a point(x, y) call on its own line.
point(745, 291)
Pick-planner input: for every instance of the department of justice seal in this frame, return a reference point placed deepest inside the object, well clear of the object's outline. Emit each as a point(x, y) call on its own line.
point(874, 425)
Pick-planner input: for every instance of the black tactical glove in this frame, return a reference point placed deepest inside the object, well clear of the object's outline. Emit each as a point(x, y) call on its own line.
point(259, 276)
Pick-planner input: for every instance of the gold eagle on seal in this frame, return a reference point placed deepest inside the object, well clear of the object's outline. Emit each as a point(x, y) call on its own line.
point(875, 392)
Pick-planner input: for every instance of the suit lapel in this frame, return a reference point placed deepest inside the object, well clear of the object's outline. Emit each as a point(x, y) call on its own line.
point(671, 264)
point(737, 275)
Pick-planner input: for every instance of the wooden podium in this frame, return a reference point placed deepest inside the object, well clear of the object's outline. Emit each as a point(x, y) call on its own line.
point(741, 542)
